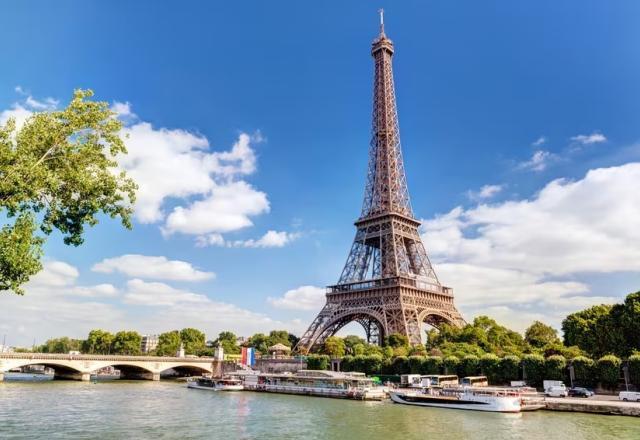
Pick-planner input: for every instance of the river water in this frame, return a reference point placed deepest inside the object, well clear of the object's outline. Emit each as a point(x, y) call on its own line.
point(168, 410)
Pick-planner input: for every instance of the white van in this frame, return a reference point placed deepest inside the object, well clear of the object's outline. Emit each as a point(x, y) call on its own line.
point(557, 391)
point(629, 396)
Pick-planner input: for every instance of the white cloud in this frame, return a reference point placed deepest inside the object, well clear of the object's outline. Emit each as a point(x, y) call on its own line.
point(97, 291)
point(593, 138)
point(176, 164)
point(539, 161)
point(159, 294)
point(486, 192)
point(540, 141)
point(270, 239)
point(530, 252)
point(301, 298)
point(150, 267)
point(21, 111)
point(228, 207)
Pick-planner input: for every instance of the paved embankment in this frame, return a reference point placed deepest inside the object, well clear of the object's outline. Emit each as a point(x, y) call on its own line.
point(613, 407)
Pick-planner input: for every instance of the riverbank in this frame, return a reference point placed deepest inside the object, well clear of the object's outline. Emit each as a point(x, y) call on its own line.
point(593, 406)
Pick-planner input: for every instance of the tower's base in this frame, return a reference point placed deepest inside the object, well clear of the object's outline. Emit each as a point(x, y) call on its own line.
point(382, 307)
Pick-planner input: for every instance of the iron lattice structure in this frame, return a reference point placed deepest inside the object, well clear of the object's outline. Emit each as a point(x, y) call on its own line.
point(388, 284)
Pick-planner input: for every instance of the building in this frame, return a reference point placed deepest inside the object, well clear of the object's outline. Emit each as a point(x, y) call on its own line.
point(148, 343)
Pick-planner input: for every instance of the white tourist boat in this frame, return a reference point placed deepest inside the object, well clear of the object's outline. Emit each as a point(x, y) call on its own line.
point(470, 398)
point(317, 383)
point(224, 384)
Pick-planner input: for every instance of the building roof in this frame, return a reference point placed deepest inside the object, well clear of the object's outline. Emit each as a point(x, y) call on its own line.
point(279, 347)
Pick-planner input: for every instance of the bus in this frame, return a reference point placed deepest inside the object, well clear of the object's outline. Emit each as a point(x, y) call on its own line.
point(440, 380)
point(474, 381)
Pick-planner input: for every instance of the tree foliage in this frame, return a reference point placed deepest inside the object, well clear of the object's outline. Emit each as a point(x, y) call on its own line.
point(540, 335)
point(60, 345)
point(97, 342)
point(334, 347)
point(534, 369)
point(58, 171)
point(555, 367)
point(317, 362)
point(608, 369)
point(126, 342)
point(193, 340)
point(168, 343)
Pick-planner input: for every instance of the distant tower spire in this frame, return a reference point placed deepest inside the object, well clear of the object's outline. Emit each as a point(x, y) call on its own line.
point(381, 12)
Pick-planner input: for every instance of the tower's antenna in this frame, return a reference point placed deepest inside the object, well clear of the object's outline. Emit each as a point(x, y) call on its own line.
point(381, 12)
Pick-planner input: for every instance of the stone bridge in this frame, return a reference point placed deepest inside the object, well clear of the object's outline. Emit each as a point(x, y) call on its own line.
point(81, 366)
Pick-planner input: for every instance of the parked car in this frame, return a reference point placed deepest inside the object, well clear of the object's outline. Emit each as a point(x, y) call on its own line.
point(580, 392)
point(557, 391)
point(629, 395)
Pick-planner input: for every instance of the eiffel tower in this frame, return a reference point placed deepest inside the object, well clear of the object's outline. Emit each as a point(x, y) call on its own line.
point(388, 284)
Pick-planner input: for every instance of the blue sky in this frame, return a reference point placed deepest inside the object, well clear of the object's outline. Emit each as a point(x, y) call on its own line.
point(496, 100)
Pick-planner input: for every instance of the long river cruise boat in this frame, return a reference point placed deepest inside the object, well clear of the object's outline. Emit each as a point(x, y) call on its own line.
point(317, 383)
point(470, 398)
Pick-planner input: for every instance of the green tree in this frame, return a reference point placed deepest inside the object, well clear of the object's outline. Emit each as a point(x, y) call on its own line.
point(260, 342)
point(334, 346)
point(168, 343)
point(431, 365)
point(415, 364)
point(634, 369)
point(555, 367)
point(450, 364)
point(397, 340)
point(98, 342)
point(229, 342)
point(400, 365)
point(317, 362)
point(279, 337)
point(351, 341)
point(490, 367)
point(193, 340)
point(608, 368)
point(60, 345)
point(596, 330)
point(533, 366)
point(469, 365)
point(58, 171)
point(630, 323)
point(126, 342)
point(539, 335)
point(583, 371)
point(509, 369)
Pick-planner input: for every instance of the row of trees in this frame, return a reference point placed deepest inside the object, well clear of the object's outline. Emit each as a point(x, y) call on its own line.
point(533, 368)
point(193, 340)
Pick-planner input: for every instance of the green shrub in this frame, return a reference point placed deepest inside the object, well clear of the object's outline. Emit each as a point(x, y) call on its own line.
point(347, 364)
point(583, 371)
point(489, 366)
point(608, 368)
point(317, 362)
point(634, 369)
point(371, 364)
point(469, 366)
point(450, 365)
point(555, 367)
point(509, 369)
point(431, 365)
point(533, 365)
point(415, 364)
point(401, 365)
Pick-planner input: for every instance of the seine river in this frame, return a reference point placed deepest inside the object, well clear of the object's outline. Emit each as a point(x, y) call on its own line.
point(168, 410)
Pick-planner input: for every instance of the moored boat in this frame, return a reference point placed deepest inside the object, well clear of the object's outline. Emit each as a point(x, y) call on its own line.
point(224, 384)
point(317, 383)
point(469, 398)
